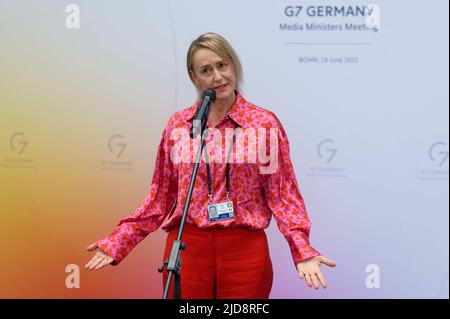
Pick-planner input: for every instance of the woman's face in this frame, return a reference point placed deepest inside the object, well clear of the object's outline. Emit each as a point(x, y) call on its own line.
point(212, 71)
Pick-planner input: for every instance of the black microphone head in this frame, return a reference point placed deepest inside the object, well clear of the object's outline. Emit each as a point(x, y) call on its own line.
point(211, 93)
point(202, 112)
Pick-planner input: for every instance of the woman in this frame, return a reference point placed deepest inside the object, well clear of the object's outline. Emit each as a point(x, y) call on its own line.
point(227, 254)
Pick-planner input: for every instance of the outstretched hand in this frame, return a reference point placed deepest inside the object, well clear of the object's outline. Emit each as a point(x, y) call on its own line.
point(100, 259)
point(310, 270)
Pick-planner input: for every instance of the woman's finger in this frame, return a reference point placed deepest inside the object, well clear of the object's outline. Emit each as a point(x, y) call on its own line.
point(90, 262)
point(322, 279)
point(105, 262)
point(308, 280)
point(92, 247)
point(301, 274)
point(95, 263)
point(315, 281)
point(327, 262)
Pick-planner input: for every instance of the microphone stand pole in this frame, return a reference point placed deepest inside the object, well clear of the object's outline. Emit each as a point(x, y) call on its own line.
point(173, 264)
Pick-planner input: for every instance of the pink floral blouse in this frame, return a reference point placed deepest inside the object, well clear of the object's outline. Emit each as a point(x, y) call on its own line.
point(262, 181)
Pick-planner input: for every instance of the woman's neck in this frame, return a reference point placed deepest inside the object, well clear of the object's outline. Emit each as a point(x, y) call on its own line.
point(220, 109)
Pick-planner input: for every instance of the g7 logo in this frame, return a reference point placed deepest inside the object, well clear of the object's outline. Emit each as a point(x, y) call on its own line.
point(292, 11)
point(14, 143)
point(122, 146)
point(331, 151)
point(443, 153)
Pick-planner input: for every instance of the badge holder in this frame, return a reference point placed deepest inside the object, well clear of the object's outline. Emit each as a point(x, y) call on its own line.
point(220, 211)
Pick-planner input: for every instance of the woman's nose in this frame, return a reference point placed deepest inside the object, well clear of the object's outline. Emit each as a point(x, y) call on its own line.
point(217, 75)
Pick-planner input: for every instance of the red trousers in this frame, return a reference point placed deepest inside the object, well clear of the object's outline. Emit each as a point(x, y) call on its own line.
point(222, 263)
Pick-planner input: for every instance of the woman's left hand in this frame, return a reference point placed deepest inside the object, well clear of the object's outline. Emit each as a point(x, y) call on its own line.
point(310, 270)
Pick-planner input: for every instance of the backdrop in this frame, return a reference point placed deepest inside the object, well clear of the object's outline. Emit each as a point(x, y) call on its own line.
point(361, 88)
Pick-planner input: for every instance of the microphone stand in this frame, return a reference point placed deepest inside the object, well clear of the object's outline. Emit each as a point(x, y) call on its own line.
point(173, 264)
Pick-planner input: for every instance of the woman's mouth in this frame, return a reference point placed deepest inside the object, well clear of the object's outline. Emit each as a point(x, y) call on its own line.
point(220, 88)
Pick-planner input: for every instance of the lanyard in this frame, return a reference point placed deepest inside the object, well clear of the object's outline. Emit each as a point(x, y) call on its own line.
point(227, 168)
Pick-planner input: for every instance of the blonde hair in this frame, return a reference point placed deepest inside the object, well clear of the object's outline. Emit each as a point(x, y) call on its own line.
point(218, 45)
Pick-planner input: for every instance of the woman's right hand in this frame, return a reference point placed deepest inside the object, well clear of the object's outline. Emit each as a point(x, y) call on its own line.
point(100, 260)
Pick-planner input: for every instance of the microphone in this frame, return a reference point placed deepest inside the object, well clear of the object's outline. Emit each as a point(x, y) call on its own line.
point(201, 115)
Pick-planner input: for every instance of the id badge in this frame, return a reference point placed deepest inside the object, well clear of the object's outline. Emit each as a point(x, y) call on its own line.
point(220, 211)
